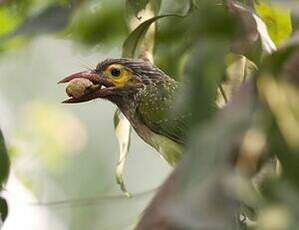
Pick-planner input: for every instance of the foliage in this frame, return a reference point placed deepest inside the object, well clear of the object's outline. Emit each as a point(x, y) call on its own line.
point(4, 171)
point(277, 19)
point(221, 177)
point(123, 133)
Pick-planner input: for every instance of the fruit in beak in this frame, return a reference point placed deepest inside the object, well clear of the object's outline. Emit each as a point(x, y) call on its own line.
point(78, 87)
point(85, 86)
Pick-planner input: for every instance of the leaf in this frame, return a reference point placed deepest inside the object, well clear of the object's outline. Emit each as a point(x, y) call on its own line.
point(277, 20)
point(210, 56)
point(238, 70)
point(267, 43)
point(136, 6)
point(246, 16)
point(131, 43)
point(8, 21)
point(282, 99)
point(4, 161)
point(98, 22)
point(53, 17)
point(217, 141)
point(123, 133)
point(204, 190)
point(282, 102)
point(3, 210)
point(4, 172)
point(279, 89)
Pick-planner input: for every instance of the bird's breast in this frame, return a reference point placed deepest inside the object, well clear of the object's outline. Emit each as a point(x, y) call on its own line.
point(168, 149)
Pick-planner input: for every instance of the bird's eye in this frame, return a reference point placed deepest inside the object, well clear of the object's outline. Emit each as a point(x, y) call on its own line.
point(115, 72)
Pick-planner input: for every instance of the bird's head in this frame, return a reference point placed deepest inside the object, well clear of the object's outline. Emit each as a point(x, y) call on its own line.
point(115, 78)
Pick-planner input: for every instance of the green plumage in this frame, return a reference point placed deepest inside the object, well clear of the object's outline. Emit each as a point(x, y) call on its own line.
point(155, 105)
point(155, 109)
point(148, 100)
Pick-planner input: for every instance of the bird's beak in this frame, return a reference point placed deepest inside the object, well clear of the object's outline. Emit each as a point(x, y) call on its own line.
point(89, 75)
point(101, 86)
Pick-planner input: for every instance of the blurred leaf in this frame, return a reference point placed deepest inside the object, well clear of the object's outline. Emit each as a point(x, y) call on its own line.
point(4, 161)
point(208, 194)
point(244, 105)
point(51, 19)
point(205, 68)
point(210, 56)
point(32, 18)
point(281, 203)
point(4, 172)
point(13, 43)
point(205, 190)
point(210, 170)
point(123, 133)
point(169, 45)
point(131, 43)
point(98, 21)
point(282, 100)
point(239, 69)
point(3, 211)
point(279, 89)
point(283, 107)
point(254, 28)
point(277, 19)
point(137, 5)
point(8, 21)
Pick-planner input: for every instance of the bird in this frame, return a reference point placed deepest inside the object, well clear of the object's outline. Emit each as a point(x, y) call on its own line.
point(145, 95)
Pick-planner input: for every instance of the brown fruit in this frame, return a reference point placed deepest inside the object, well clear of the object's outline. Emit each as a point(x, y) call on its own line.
point(77, 87)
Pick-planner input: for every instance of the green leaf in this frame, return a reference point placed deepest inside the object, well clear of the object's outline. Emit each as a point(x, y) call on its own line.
point(135, 6)
point(278, 87)
point(132, 42)
point(254, 27)
point(205, 181)
point(123, 133)
point(3, 210)
point(238, 70)
point(4, 172)
point(8, 21)
point(277, 19)
point(48, 16)
point(4, 161)
point(98, 22)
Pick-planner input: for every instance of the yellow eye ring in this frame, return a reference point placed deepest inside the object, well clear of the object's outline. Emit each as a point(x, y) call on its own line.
point(117, 74)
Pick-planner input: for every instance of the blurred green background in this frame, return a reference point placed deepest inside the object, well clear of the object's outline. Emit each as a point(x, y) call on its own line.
point(59, 152)
point(66, 154)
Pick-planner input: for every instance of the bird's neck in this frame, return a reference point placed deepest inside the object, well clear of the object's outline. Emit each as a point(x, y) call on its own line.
point(127, 105)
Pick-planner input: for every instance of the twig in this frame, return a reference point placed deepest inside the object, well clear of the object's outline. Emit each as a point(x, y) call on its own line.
point(77, 202)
